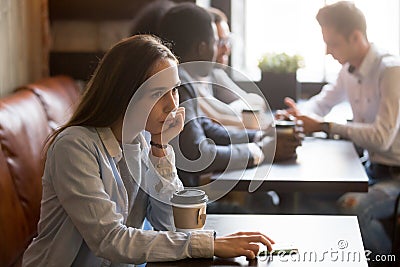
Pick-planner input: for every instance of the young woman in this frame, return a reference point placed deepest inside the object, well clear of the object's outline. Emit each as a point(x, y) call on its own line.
point(92, 207)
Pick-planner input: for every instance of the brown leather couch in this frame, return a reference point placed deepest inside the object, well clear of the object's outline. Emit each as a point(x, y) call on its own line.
point(27, 117)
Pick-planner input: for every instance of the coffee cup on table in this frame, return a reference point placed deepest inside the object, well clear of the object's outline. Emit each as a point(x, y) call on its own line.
point(285, 127)
point(251, 118)
point(189, 209)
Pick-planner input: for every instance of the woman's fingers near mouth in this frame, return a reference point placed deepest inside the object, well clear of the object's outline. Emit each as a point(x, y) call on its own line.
point(172, 117)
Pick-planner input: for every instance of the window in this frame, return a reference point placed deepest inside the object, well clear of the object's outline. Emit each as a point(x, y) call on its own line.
point(290, 26)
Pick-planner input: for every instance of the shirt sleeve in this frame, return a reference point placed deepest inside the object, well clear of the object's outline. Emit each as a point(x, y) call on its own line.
point(224, 88)
point(257, 153)
point(163, 173)
point(220, 112)
point(380, 134)
point(79, 187)
point(204, 146)
point(162, 182)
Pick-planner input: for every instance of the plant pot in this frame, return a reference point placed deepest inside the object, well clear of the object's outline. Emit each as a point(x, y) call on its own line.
point(276, 86)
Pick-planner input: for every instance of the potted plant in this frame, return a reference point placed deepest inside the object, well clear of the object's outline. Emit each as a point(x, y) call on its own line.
point(278, 77)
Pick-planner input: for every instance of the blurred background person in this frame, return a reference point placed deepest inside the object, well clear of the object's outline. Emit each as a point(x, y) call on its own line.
point(224, 100)
point(148, 18)
point(202, 142)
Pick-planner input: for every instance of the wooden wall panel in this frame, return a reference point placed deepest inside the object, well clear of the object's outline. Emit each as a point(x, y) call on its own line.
point(96, 9)
point(81, 63)
point(93, 9)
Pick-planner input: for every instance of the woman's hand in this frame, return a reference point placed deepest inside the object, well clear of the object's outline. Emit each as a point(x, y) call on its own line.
point(173, 125)
point(241, 244)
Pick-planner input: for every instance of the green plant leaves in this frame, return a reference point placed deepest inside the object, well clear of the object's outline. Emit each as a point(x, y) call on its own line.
point(280, 62)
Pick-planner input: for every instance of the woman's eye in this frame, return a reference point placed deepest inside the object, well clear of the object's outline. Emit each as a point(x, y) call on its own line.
point(175, 90)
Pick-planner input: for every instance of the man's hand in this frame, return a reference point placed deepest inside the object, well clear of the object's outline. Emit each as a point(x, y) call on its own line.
point(290, 113)
point(310, 125)
point(241, 244)
point(292, 106)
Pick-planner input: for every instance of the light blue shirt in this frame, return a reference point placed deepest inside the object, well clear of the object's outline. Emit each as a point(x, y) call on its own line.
point(87, 218)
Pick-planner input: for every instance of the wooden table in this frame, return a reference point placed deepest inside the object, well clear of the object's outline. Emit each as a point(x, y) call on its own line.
point(323, 241)
point(322, 165)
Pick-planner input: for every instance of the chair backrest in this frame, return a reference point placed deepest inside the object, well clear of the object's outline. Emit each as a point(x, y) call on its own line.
point(58, 95)
point(27, 117)
point(23, 130)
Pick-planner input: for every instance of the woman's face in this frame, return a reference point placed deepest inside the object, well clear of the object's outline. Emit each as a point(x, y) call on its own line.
point(153, 101)
point(163, 93)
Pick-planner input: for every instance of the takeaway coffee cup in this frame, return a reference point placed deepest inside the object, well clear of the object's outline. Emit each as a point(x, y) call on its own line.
point(189, 209)
point(285, 127)
point(251, 118)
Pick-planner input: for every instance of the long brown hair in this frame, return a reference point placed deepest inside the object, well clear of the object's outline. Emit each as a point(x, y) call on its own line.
point(118, 76)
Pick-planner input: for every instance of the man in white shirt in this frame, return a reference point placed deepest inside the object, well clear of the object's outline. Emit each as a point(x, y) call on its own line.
point(370, 81)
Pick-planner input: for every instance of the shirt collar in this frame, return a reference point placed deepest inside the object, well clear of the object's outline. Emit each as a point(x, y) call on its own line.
point(368, 62)
point(112, 146)
point(110, 142)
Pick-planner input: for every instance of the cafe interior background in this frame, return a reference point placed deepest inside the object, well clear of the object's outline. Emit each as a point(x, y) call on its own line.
point(49, 37)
